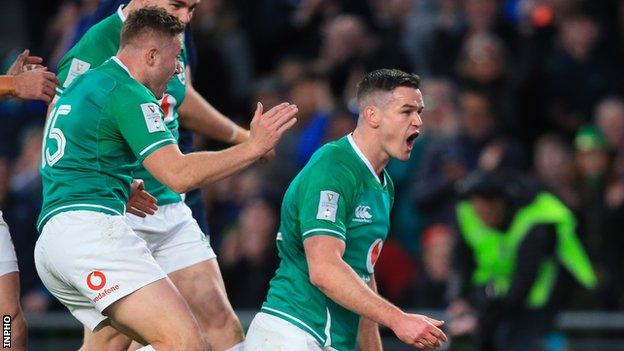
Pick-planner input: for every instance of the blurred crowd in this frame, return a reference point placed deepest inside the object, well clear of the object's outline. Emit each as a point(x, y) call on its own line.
point(533, 86)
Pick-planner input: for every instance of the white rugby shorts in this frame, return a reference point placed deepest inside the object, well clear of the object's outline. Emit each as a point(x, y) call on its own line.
point(8, 260)
point(88, 260)
point(270, 333)
point(173, 236)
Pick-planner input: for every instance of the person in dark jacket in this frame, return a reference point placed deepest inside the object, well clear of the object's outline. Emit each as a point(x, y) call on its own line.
point(514, 238)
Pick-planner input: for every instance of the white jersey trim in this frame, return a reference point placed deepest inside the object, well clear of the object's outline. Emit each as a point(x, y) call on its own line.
point(77, 205)
point(118, 61)
point(294, 319)
point(120, 13)
point(364, 159)
point(328, 329)
point(154, 145)
point(324, 230)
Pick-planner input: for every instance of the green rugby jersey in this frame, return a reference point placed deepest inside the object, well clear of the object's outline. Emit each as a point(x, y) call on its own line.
point(337, 194)
point(101, 128)
point(97, 45)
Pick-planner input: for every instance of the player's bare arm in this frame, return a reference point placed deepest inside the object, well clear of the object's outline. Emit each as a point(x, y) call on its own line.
point(368, 331)
point(330, 274)
point(184, 172)
point(200, 116)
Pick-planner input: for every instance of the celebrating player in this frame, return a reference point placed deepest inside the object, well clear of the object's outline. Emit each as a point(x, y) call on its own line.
point(174, 237)
point(335, 217)
point(103, 123)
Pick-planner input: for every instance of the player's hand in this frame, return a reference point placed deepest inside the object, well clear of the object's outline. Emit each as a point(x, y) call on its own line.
point(267, 128)
point(37, 84)
point(25, 62)
point(140, 203)
point(419, 331)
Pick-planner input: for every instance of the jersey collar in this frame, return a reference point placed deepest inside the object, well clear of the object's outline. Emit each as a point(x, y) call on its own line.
point(118, 61)
point(120, 13)
point(362, 157)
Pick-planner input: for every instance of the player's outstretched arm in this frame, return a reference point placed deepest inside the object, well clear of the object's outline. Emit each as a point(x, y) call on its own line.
point(27, 79)
point(185, 172)
point(333, 276)
point(200, 116)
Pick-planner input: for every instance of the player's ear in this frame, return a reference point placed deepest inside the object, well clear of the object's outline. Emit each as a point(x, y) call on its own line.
point(150, 56)
point(371, 115)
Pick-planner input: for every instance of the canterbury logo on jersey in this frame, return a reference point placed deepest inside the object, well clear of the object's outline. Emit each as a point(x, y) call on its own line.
point(362, 214)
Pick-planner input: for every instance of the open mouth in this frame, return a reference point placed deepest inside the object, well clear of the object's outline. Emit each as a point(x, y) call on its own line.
point(412, 138)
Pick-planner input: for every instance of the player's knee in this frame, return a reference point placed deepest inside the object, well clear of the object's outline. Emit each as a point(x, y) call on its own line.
point(223, 319)
point(19, 331)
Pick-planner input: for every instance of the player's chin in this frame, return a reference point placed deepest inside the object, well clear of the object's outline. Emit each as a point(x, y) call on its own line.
point(403, 154)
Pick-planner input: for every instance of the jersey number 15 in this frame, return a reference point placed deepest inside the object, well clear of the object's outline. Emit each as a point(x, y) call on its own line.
point(52, 132)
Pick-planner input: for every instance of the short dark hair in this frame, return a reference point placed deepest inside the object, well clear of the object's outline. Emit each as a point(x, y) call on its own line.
point(150, 19)
point(386, 80)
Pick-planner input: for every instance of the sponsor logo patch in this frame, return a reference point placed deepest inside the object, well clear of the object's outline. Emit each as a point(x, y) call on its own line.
point(362, 214)
point(153, 118)
point(96, 280)
point(328, 205)
point(77, 68)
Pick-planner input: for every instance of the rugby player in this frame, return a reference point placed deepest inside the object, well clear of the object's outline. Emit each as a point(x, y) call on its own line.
point(335, 217)
point(174, 237)
point(102, 126)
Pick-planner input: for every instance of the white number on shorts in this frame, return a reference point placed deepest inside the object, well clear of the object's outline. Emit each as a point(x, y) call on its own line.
point(54, 133)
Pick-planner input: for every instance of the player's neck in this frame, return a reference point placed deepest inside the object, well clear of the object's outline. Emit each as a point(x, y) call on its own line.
point(371, 150)
point(133, 67)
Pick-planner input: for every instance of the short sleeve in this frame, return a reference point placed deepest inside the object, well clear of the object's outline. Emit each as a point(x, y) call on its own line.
point(141, 124)
point(326, 201)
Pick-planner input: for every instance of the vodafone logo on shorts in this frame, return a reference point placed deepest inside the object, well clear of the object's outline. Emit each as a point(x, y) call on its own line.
point(373, 255)
point(96, 280)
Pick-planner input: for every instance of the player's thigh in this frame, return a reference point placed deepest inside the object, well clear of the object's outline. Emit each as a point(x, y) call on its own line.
point(202, 287)
point(156, 312)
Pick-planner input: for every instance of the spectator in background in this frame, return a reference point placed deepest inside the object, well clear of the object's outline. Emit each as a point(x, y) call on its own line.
point(601, 209)
point(220, 41)
point(484, 64)
point(513, 239)
point(553, 164)
point(430, 290)
point(576, 62)
point(349, 49)
point(479, 144)
point(247, 253)
point(340, 123)
point(480, 16)
point(609, 117)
